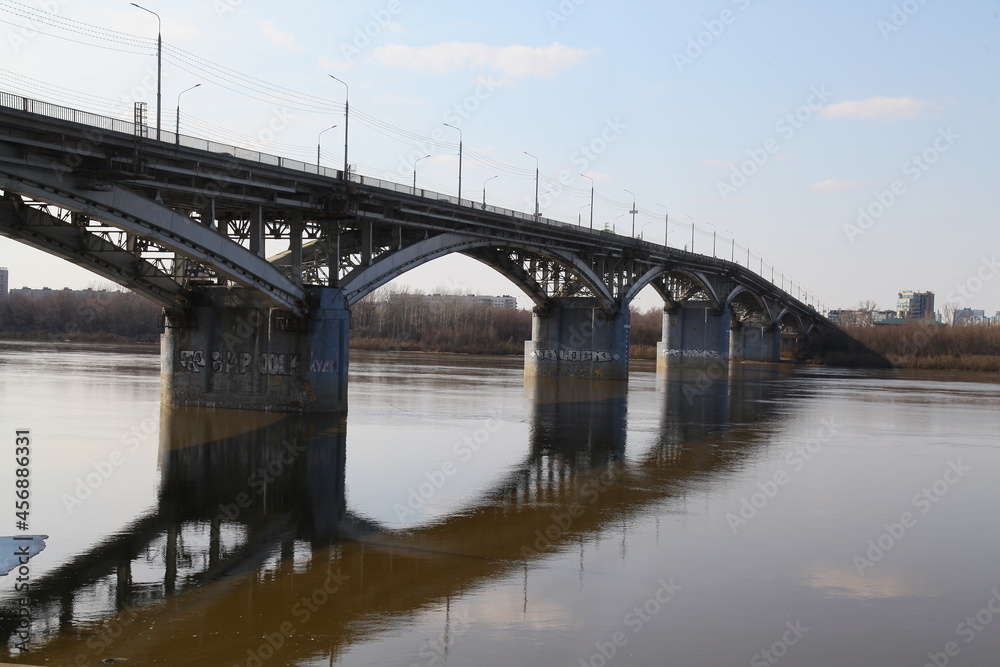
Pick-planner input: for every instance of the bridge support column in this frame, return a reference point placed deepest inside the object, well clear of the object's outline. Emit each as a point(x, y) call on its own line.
point(693, 332)
point(755, 342)
point(575, 337)
point(228, 351)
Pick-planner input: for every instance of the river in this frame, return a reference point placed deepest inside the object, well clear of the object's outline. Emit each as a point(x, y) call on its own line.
point(754, 515)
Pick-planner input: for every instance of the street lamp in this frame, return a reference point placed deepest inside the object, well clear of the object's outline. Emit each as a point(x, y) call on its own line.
point(347, 114)
point(579, 215)
point(713, 237)
point(484, 188)
point(692, 231)
point(159, 64)
point(666, 225)
point(591, 201)
point(318, 144)
point(536, 182)
point(732, 254)
point(177, 127)
point(633, 211)
point(643, 228)
point(415, 163)
point(615, 222)
point(459, 159)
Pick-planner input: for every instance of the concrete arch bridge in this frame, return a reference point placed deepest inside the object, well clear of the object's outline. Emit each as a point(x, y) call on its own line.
point(189, 224)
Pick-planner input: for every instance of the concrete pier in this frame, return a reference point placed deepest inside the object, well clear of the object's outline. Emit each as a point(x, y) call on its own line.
point(755, 342)
point(228, 350)
point(575, 337)
point(694, 332)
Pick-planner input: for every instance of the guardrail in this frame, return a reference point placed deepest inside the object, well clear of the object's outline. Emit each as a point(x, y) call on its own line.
point(20, 103)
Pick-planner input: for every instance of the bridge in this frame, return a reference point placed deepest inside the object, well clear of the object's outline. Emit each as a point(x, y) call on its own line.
point(188, 223)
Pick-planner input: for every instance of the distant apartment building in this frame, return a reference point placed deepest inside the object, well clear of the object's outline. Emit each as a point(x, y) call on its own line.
point(915, 305)
point(4, 281)
point(969, 316)
point(505, 301)
point(846, 317)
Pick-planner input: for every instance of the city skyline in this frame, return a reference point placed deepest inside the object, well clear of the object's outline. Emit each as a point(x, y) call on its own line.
point(848, 144)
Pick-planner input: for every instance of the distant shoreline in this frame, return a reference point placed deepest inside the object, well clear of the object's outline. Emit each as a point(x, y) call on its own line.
point(981, 363)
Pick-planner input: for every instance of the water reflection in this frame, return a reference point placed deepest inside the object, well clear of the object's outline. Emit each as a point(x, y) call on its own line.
point(253, 547)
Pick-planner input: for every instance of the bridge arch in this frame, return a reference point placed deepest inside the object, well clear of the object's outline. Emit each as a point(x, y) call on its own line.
point(145, 221)
point(748, 306)
point(791, 319)
point(366, 279)
point(696, 282)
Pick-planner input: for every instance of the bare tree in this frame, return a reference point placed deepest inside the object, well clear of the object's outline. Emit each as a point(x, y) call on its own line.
point(950, 311)
point(865, 313)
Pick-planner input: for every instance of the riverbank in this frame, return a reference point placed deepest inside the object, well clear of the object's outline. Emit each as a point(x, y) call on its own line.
point(933, 346)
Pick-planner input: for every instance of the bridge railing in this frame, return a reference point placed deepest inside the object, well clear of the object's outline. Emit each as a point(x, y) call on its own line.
point(20, 103)
point(27, 104)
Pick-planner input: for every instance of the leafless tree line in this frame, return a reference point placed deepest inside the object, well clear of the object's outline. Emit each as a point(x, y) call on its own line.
point(95, 315)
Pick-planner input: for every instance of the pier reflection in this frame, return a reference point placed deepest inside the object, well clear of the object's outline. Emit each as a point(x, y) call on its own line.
point(253, 536)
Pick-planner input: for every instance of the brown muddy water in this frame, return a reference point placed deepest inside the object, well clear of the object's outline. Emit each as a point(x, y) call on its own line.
point(755, 515)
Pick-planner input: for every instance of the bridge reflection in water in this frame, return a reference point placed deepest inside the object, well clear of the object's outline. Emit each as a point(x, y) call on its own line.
point(253, 537)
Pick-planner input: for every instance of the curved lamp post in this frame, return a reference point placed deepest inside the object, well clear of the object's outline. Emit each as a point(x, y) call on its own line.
point(177, 126)
point(318, 140)
point(456, 127)
point(347, 115)
point(159, 65)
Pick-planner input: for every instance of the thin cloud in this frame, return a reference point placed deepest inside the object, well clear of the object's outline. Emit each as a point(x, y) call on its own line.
point(879, 108)
point(599, 176)
point(515, 61)
point(336, 66)
point(391, 99)
point(713, 162)
point(833, 186)
point(281, 39)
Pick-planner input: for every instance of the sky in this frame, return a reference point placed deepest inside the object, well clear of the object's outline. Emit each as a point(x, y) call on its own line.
point(852, 145)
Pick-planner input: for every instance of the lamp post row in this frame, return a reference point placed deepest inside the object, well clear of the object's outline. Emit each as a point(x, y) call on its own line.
point(634, 210)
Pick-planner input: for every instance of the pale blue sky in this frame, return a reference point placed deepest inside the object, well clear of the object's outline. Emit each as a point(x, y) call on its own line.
point(889, 86)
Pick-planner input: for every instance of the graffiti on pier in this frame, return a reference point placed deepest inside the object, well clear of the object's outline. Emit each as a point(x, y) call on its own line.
point(240, 363)
point(582, 356)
